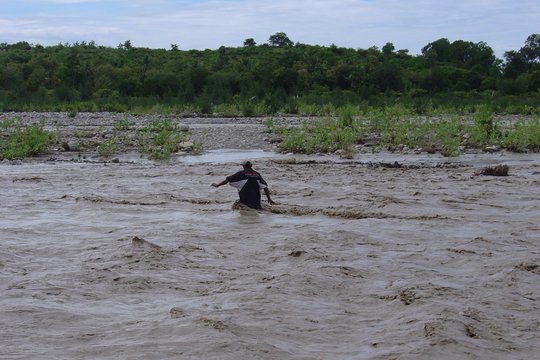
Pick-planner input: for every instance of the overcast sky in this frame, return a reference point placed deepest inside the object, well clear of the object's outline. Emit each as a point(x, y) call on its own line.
point(208, 24)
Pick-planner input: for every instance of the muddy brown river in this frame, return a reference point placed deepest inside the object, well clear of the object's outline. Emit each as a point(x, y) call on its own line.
point(359, 259)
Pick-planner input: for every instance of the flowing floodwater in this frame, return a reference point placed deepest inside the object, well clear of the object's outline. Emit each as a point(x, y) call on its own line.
point(360, 259)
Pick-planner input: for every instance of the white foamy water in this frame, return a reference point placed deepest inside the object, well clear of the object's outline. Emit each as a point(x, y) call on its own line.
point(147, 261)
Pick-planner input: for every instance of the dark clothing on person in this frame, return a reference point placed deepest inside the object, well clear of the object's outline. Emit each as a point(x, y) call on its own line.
point(249, 183)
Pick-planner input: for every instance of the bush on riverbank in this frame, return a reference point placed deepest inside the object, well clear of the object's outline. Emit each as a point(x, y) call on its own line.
point(18, 141)
point(398, 127)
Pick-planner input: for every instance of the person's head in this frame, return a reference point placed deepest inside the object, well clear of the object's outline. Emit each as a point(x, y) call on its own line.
point(247, 164)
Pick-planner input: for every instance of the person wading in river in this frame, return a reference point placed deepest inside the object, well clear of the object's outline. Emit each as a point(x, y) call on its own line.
point(249, 183)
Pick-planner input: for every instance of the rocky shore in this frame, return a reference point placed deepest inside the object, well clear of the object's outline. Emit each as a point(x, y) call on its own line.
point(83, 132)
point(79, 135)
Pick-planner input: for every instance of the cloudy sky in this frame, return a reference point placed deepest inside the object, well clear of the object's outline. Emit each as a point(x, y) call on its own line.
point(208, 24)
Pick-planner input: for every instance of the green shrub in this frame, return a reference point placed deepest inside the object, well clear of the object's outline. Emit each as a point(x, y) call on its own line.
point(391, 126)
point(160, 138)
point(447, 136)
point(108, 148)
point(247, 108)
point(204, 104)
point(292, 106)
point(272, 104)
point(320, 135)
point(523, 136)
point(346, 117)
point(294, 141)
point(72, 113)
point(484, 130)
point(121, 125)
point(19, 142)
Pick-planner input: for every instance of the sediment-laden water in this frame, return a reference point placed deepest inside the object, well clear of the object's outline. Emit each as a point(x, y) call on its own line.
point(360, 259)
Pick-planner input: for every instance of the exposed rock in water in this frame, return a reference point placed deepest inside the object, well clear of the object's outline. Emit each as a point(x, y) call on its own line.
point(71, 145)
point(499, 170)
point(186, 146)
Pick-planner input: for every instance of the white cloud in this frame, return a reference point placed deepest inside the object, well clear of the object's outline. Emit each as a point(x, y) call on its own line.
point(209, 24)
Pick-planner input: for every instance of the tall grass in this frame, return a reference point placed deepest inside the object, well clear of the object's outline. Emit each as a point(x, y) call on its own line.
point(321, 135)
point(18, 141)
point(108, 148)
point(484, 130)
point(398, 126)
point(523, 136)
point(160, 138)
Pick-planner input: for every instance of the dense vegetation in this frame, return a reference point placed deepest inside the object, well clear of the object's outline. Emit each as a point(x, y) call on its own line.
point(398, 128)
point(278, 76)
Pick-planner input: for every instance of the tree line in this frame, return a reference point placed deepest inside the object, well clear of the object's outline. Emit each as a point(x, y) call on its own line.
point(276, 76)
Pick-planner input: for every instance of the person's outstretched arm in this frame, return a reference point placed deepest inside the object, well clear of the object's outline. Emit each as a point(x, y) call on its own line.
point(220, 184)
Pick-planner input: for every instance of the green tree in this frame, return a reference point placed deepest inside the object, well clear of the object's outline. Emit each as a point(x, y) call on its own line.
point(281, 76)
point(126, 81)
point(279, 39)
point(160, 83)
point(250, 42)
point(524, 60)
point(126, 45)
point(11, 76)
point(436, 51)
point(387, 76)
point(531, 50)
point(37, 78)
point(388, 48)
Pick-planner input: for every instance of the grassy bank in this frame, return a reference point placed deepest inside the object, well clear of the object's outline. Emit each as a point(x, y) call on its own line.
point(341, 130)
point(397, 127)
point(327, 104)
point(158, 139)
